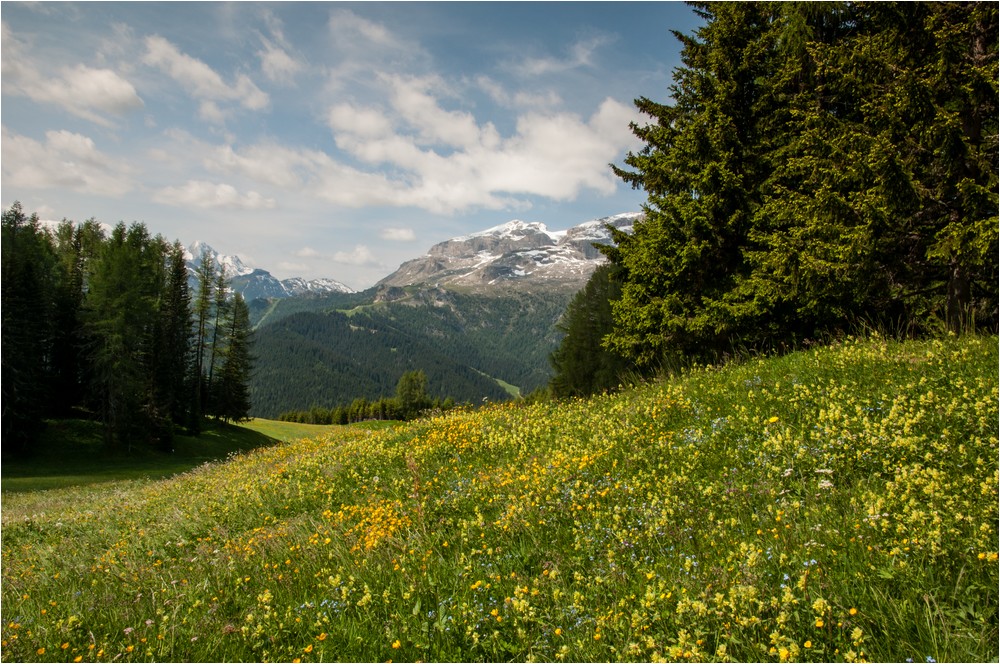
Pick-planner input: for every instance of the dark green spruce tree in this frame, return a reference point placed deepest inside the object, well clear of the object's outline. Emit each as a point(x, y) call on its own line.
point(881, 207)
point(197, 389)
point(232, 386)
point(120, 319)
point(821, 167)
point(174, 342)
point(411, 396)
point(220, 307)
point(582, 364)
point(28, 285)
point(704, 160)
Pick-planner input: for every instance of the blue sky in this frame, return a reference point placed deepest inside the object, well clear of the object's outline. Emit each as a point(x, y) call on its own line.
point(327, 139)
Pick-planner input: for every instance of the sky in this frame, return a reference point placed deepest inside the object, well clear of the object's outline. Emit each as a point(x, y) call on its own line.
point(328, 139)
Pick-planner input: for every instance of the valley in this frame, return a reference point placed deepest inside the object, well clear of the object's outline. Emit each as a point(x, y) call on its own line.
point(477, 313)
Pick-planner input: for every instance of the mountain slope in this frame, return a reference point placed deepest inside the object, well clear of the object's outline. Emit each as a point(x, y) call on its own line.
point(518, 255)
point(465, 343)
point(486, 303)
point(332, 359)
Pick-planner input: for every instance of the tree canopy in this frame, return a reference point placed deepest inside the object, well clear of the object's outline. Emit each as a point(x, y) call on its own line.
point(102, 325)
point(819, 167)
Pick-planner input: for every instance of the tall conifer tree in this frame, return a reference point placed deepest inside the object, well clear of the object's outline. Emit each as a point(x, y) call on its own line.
point(820, 167)
point(233, 385)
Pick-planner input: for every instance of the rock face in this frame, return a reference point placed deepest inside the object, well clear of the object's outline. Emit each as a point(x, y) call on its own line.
point(519, 255)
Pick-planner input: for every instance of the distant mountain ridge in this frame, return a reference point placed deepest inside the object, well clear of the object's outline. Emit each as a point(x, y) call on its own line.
point(255, 283)
point(516, 254)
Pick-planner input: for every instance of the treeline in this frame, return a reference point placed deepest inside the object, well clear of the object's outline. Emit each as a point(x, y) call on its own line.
point(411, 401)
point(822, 167)
point(105, 325)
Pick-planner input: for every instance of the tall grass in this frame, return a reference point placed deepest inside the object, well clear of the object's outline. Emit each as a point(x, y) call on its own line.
point(835, 504)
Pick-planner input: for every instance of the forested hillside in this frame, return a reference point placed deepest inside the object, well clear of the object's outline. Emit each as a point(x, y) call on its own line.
point(463, 343)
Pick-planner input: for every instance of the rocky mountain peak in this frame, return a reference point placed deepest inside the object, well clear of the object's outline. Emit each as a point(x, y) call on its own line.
point(517, 254)
point(254, 283)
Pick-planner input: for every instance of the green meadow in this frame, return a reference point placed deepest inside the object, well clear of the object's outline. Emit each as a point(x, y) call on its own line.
point(72, 453)
point(835, 504)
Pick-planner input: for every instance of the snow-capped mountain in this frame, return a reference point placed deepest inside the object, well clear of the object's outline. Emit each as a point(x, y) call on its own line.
point(516, 253)
point(235, 266)
point(255, 283)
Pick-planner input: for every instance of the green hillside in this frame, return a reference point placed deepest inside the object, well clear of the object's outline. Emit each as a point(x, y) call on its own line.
point(838, 504)
point(472, 347)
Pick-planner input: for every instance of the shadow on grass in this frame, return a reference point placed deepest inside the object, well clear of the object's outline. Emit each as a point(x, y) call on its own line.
point(71, 453)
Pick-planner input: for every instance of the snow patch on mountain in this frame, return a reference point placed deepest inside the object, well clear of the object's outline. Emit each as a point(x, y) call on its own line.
point(517, 254)
point(235, 265)
point(252, 282)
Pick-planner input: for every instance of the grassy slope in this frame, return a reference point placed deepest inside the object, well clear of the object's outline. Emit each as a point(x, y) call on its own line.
point(831, 505)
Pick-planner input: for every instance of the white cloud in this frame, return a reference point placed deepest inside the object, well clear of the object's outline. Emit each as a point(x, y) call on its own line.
point(398, 234)
point(84, 91)
point(307, 252)
point(276, 61)
point(360, 255)
point(278, 66)
point(201, 81)
point(359, 121)
point(553, 155)
point(412, 99)
point(310, 172)
point(65, 159)
point(209, 111)
point(520, 99)
point(579, 56)
point(202, 194)
point(361, 48)
point(346, 26)
point(294, 268)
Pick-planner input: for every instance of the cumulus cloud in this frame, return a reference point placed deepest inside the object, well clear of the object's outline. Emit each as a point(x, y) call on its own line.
point(444, 161)
point(398, 234)
point(87, 92)
point(360, 255)
point(65, 159)
point(413, 99)
point(201, 81)
point(202, 194)
point(359, 121)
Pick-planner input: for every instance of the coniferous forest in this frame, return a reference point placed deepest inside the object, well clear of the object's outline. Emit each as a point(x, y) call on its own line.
point(822, 168)
point(105, 326)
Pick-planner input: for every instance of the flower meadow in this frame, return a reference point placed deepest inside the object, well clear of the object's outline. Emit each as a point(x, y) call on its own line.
point(836, 504)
